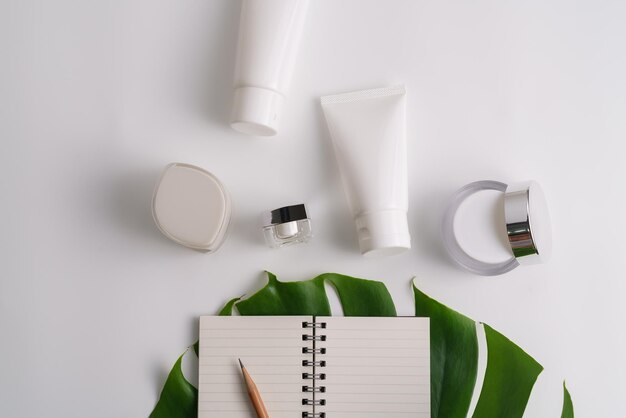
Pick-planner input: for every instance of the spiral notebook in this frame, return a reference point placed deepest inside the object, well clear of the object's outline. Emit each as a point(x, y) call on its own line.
point(315, 367)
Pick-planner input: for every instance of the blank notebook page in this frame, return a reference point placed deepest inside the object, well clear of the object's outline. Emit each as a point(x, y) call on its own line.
point(271, 350)
point(375, 367)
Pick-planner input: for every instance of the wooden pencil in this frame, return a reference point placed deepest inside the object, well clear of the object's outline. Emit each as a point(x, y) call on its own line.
point(255, 396)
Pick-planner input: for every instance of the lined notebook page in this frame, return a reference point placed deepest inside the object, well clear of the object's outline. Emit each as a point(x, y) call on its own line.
point(375, 367)
point(271, 350)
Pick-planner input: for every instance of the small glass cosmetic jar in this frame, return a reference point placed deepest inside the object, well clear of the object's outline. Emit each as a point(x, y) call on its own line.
point(526, 231)
point(286, 226)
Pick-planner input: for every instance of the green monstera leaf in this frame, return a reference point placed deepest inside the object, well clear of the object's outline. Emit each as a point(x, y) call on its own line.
point(453, 357)
point(358, 297)
point(510, 375)
point(179, 398)
point(568, 406)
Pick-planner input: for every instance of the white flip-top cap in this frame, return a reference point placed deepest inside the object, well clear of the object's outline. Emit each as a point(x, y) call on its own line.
point(527, 225)
point(256, 111)
point(383, 233)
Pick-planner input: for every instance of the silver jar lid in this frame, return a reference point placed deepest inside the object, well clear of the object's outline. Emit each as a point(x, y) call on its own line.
point(527, 225)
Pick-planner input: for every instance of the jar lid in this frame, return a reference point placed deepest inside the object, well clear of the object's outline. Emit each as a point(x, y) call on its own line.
point(527, 224)
point(285, 214)
point(191, 207)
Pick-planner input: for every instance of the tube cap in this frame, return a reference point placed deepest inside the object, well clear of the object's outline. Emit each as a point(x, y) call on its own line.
point(256, 111)
point(383, 233)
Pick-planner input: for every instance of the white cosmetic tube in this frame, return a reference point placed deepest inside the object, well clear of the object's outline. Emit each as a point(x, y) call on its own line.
point(368, 131)
point(269, 35)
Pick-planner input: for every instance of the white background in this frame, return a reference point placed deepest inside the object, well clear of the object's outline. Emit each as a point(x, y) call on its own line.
point(97, 97)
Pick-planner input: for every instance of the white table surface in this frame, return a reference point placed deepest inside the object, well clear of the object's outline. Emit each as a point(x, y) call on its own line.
point(97, 97)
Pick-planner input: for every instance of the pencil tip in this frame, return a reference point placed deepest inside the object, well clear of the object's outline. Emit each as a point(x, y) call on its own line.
point(240, 363)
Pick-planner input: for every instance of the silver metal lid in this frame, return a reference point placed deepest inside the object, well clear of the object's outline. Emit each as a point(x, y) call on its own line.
point(528, 222)
point(527, 225)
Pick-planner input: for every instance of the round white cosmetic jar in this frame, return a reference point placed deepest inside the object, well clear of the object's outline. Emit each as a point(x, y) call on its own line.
point(513, 228)
point(191, 207)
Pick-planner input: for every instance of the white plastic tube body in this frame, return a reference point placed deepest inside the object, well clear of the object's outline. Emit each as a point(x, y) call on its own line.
point(368, 131)
point(269, 36)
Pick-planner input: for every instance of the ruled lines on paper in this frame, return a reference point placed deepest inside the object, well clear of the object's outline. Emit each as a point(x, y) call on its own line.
point(376, 367)
point(271, 350)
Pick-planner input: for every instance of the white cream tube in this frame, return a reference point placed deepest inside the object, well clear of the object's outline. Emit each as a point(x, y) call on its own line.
point(368, 131)
point(269, 35)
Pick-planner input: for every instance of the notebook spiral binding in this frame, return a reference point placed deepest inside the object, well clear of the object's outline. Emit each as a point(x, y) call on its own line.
point(314, 388)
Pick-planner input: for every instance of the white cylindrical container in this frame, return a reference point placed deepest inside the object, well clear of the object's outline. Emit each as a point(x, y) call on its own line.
point(368, 131)
point(269, 35)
